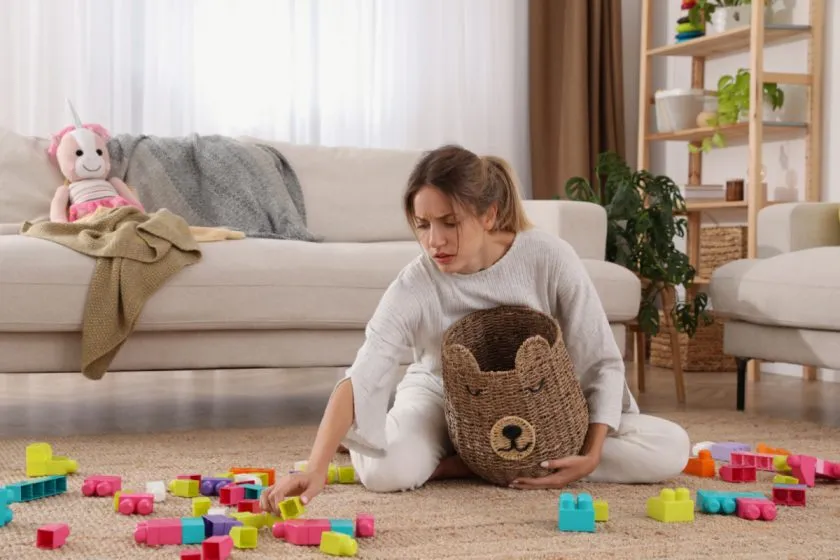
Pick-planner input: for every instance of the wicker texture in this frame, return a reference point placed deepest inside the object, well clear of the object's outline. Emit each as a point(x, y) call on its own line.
point(703, 352)
point(512, 398)
point(720, 245)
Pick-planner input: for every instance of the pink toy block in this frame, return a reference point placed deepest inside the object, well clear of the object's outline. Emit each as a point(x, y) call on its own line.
point(156, 532)
point(252, 506)
point(755, 508)
point(142, 504)
point(364, 525)
point(191, 554)
point(803, 467)
point(101, 485)
point(52, 536)
point(301, 532)
point(217, 548)
point(737, 473)
point(231, 494)
point(761, 461)
point(789, 494)
point(827, 469)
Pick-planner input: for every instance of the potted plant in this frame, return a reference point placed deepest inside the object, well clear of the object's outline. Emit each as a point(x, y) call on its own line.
point(643, 219)
point(724, 14)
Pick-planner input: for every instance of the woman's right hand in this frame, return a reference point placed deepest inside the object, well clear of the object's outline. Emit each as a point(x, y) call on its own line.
point(307, 485)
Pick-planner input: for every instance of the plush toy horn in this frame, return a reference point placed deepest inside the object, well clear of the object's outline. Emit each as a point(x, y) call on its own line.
point(76, 118)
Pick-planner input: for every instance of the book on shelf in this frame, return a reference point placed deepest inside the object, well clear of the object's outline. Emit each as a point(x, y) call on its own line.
point(703, 192)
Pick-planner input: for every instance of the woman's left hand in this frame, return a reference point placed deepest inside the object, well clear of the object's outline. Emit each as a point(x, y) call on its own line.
point(569, 469)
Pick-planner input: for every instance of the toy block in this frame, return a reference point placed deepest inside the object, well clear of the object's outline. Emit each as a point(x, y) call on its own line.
point(602, 510)
point(365, 525)
point(231, 494)
point(191, 554)
point(192, 530)
point(827, 469)
point(196, 477)
point(762, 448)
point(6, 513)
point(291, 508)
point(755, 508)
point(201, 506)
point(737, 473)
point(38, 488)
point(52, 536)
point(210, 486)
point(244, 537)
point(128, 504)
point(156, 532)
point(157, 488)
point(722, 450)
point(249, 519)
point(217, 511)
point(342, 526)
point(248, 470)
point(184, 487)
point(759, 461)
point(217, 547)
point(347, 475)
point(253, 491)
point(101, 485)
point(784, 479)
point(338, 544)
point(300, 466)
point(671, 506)
point(575, 513)
point(249, 505)
point(716, 501)
point(700, 446)
point(301, 532)
point(218, 525)
point(332, 474)
point(789, 494)
point(41, 462)
point(780, 463)
point(703, 465)
point(804, 468)
point(246, 478)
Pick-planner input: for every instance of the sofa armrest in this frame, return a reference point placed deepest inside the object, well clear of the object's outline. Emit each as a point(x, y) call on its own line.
point(794, 226)
point(10, 229)
point(582, 224)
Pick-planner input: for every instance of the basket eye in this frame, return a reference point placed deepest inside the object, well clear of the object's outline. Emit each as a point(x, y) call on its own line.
point(474, 392)
point(537, 388)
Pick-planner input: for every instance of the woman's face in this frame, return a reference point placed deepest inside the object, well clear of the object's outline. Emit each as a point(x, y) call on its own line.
point(453, 237)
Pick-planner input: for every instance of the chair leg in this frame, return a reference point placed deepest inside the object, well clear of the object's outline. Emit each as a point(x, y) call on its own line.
point(741, 364)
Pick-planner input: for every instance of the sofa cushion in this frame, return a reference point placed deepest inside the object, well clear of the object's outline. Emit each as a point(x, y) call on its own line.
point(799, 289)
point(28, 179)
point(246, 284)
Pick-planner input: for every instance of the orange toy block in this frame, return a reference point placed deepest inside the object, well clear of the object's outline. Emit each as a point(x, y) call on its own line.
point(702, 465)
point(249, 470)
point(767, 450)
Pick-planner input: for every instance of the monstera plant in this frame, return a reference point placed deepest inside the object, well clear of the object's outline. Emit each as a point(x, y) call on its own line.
point(643, 220)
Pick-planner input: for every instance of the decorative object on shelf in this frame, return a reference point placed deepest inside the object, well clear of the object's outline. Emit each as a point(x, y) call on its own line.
point(734, 190)
point(643, 218)
point(677, 109)
point(686, 27)
point(725, 15)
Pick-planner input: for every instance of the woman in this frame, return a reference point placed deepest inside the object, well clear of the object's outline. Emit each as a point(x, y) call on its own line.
point(479, 252)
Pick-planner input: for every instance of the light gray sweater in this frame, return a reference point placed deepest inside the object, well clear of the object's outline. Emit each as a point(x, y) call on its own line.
point(540, 271)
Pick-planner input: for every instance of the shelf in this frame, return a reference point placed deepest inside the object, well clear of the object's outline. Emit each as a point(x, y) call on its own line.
point(731, 42)
point(735, 133)
point(698, 206)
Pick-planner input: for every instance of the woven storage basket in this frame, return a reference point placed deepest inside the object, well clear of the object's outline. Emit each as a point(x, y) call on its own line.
point(720, 245)
point(512, 399)
point(703, 352)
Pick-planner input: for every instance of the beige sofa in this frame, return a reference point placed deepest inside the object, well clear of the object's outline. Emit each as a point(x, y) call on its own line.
point(252, 303)
point(784, 306)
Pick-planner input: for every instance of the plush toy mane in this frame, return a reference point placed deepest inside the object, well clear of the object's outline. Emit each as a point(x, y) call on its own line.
point(56, 138)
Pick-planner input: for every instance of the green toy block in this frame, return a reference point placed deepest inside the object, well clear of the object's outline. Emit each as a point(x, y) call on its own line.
point(346, 474)
point(716, 501)
point(602, 510)
point(576, 514)
point(192, 530)
point(671, 506)
point(244, 536)
point(338, 544)
point(344, 526)
point(291, 508)
point(253, 491)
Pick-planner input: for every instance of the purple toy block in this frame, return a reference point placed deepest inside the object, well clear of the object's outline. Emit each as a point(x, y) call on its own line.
point(721, 451)
point(211, 486)
point(219, 525)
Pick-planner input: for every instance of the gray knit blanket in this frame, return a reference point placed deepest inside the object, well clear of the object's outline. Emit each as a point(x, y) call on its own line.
point(214, 181)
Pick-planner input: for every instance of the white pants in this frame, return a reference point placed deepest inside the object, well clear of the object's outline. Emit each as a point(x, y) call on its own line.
point(645, 449)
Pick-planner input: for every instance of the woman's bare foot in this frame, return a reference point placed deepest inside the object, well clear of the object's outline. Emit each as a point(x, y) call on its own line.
point(452, 467)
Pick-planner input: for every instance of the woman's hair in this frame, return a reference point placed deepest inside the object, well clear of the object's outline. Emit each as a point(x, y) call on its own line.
point(473, 182)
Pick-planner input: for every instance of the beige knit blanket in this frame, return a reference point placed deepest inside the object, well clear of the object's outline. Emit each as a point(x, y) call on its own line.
point(136, 254)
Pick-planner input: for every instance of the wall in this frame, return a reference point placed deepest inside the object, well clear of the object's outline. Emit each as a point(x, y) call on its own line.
point(784, 161)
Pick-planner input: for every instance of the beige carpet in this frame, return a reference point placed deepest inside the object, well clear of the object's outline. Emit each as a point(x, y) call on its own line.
point(444, 520)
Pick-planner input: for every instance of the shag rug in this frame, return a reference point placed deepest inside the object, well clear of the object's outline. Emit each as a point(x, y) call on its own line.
point(454, 519)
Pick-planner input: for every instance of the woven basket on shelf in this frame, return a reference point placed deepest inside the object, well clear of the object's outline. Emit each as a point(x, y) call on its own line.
point(720, 245)
point(512, 399)
point(703, 352)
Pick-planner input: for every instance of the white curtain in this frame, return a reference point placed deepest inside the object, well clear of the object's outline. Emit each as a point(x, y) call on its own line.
point(392, 73)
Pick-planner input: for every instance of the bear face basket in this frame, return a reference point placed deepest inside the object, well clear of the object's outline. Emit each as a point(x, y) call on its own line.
point(512, 399)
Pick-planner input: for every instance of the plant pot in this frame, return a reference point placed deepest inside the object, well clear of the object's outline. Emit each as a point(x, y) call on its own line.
point(770, 114)
point(732, 17)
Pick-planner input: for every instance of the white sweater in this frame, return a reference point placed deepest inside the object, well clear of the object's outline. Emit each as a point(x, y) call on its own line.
point(540, 271)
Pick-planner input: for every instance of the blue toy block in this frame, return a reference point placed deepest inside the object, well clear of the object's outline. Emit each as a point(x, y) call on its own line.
point(253, 491)
point(219, 525)
point(342, 526)
point(37, 488)
point(210, 486)
point(576, 514)
point(192, 530)
point(6, 514)
point(716, 501)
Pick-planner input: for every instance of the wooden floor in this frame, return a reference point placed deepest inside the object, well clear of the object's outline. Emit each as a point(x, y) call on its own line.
point(43, 406)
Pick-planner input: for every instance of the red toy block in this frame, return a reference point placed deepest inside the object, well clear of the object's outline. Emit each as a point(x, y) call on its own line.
point(737, 473)
point(301, 532)
point(156, 532)
point(243, 470)
point(231, 494)
point(101, 485)
point(803, 467)
point(702, 465)
point(761, 461)
point(217, 548)
point(249, 505)
point(142, 504)
point(789, 494)
point(364, 525)
point(191, 554)
point(827, 469)
point(52, 536)
point(189, 477)
point(755, 508)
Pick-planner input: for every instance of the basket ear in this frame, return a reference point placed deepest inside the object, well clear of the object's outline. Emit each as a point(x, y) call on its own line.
point(533, 351)
point(458, 354)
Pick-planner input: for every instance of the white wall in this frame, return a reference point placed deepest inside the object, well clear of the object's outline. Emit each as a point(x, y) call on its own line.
point(784, 161)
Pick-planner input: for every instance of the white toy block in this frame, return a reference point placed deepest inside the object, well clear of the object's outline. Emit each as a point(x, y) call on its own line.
point(217, 511)
point(300, 466)
point(158, 489)
point(247, 478)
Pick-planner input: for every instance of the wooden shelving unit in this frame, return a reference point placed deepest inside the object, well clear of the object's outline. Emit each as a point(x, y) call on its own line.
point(748, 39)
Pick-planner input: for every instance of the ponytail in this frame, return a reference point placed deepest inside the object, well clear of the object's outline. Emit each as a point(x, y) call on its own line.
point(501, 181)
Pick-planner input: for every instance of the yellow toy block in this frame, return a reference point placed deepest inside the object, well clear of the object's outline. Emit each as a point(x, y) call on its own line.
point(780, 463)
point(269, 519)
point(338, 544)
point(224, 475)
point(184, 487)
point(201, 506)
point(41, 462)
point(244, 536)
point(671, 506)
point(602, 510)
point(291, 508)
point(249, 519)
point(332, 474)
point(784, 479)
point(347, 474)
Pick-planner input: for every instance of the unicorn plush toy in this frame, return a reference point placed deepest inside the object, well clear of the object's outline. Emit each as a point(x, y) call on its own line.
point(82, 156)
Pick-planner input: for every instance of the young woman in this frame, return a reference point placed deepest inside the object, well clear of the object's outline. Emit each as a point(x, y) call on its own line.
point(479, 252)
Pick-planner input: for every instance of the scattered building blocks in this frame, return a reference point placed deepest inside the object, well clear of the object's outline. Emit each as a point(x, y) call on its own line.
point(827, 469)
point(217, 511)
point(38, 488)
point(217, 547)
point(219, 525)
point(762, 448)
point(101, 485)
point(41, 462)
point(804, 468)
point(332, 474)
point(192, 530)
point(244, 537)
point(789, 494)
point(703, 465)
point(210, 486)
point(249, 505)
point(253, 491)
point(201, 506)
point(365, 524)
point(737, 473)
point(338, 544)
point(157, 532)
point(301, 532)
point(129, 504)
point(575, 513)
point(196, 477)
point(671, 506)
point(716, 501)
point(722, 450)
point(6, 513)
point(602, 510)
point(231, 494)
point(157, 489)
point(247, 478)
point(269, 481)
point(755, 508)
point(784, 479)
point(342, 526)
point(759, 461)
point(291, 508)
point(184, 487)
point(52, 536)
point(347, 475)
point(191, 554)
point(250, 519)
